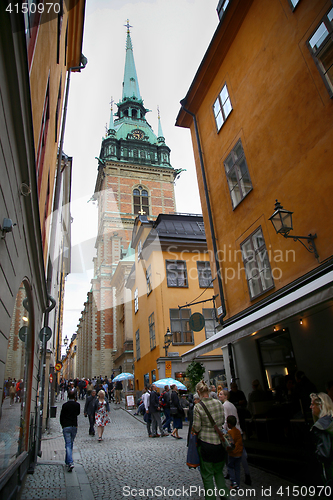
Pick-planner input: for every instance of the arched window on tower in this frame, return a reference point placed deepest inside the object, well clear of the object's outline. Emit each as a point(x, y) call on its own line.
point(140, 201)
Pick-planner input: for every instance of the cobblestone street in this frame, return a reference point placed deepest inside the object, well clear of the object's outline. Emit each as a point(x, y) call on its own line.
point(125, 462)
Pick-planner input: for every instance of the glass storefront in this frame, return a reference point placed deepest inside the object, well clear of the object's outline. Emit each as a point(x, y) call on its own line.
point(13, 420)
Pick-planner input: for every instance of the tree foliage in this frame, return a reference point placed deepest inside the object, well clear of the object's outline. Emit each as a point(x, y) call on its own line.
point(194, 372)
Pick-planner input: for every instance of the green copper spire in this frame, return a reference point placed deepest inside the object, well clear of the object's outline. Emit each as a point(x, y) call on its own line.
point(130, 84)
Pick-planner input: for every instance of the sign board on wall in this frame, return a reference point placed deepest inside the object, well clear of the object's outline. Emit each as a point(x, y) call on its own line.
point(168, 369)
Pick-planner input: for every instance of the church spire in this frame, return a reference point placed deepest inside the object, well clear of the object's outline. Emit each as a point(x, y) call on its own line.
point(160, 136)
point(130, 84)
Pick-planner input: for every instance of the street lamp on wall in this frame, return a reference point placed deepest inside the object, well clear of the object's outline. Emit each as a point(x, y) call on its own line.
point(66, 340)
point(283, 223)
point(167, 341)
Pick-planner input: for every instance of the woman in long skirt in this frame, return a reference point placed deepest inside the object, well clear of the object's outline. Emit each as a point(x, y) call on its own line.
point(102, 409)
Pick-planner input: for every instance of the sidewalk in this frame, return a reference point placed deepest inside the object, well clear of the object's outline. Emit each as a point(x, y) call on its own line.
point(127, 460)
point(50, 480)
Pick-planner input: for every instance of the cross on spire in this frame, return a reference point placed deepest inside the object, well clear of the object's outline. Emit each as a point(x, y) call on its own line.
point(158, 111)
point(111, 103)
point(141, 212)
point(128, 26)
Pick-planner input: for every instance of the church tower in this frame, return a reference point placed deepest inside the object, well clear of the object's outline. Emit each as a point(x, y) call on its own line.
point(134, 177)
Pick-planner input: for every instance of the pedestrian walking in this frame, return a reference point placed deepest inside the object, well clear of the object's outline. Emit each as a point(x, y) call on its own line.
point(165, 400)
point(101, 413)
point(211, 452)
point(89, 411)
point(235, 454)
point(230, 409)
point(118, 389)
point(176, 411)
point(68, 420)
point(12, 391)
point(147, 416)
point(155, 411)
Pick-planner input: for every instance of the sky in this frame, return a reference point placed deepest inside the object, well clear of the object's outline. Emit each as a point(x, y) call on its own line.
point(170, 38)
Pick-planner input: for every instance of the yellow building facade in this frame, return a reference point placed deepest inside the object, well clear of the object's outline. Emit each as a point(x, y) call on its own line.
point(171, 271)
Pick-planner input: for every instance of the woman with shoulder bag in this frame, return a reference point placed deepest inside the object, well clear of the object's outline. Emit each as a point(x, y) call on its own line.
point(211, 451)
point(176, 412)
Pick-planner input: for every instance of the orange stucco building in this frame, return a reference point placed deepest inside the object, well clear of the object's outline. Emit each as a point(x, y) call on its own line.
point(171, 270)
point(260, 113)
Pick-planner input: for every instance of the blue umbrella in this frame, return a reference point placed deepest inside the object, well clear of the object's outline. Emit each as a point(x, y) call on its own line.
point(123, 376)
point(170, 381)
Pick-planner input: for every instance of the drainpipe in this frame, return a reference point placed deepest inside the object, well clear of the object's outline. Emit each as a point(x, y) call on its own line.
point(211, 224)
point(44, 337)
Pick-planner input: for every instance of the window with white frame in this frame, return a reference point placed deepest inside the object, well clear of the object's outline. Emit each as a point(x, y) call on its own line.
point(151, 324)
point(137, 344)
point(180, 326)
point(210, 322)
point(321, 47)
point(136, 300)
point(176, 273)
point(148, 279)
point(237, 173)
point(257, 266)
point(204, 274)
point(222, 107)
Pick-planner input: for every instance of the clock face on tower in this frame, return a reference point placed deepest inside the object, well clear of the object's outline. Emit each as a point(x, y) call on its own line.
point(138, 134)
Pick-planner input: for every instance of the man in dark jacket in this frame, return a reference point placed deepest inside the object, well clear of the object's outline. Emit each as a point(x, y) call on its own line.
point(89, 410)
point(118, 388)
point(155, 411)
point(68, 421)
point(165, 403)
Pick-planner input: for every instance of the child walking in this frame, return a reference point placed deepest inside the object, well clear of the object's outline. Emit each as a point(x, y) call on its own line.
point(234, 455)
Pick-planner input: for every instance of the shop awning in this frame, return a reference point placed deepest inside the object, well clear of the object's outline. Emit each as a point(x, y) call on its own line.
point(312, 294)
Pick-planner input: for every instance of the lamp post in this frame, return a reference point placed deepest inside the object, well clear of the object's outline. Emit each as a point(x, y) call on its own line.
point(167, 341)
point(283, 224)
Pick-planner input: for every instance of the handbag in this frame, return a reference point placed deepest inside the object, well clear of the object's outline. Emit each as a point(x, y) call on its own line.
point(226, 439)
point(173, 410)
point(192, 460)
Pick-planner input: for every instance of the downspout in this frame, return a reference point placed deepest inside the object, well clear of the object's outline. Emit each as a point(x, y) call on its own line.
point(42, 375)
point(211, 224)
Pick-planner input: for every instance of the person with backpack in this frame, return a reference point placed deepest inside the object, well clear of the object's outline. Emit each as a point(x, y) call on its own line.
point(165, 399)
